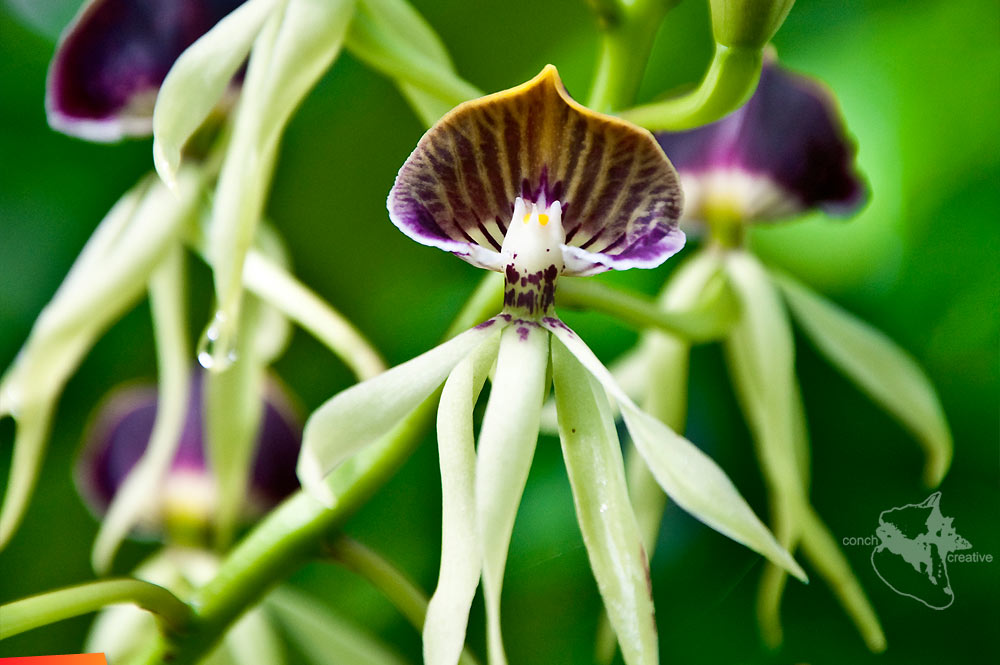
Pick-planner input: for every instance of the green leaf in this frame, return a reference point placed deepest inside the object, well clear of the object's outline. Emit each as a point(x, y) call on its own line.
point(597, 476)
point(887, 373)
point(506, 447)
point(198, 79)
point(461, 559)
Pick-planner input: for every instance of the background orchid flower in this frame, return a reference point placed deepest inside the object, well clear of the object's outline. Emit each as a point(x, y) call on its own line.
point(529, 183)
point(181, 505)
point(112, 58)
point(784, 153)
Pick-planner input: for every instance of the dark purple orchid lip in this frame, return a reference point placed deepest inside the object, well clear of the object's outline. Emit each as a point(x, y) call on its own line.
point(120, 432)
point(787, 146)
point(620, 196)
point(111, 60)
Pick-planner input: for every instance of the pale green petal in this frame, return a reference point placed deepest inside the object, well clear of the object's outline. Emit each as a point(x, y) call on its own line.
point(386, 36)
point(879, 367)
point(105, 282)
point(199, 78)
point(323, 636)
point(820, 547)
point(133, 498)
point(294, 48)
point(398, 19)
point(461, 558)
point(362, 414)
point(761, 355)
point(273, 284)
point(688, 475)
point(274, 330)
point(506, 447)
point(596, 474)
point(233, 402)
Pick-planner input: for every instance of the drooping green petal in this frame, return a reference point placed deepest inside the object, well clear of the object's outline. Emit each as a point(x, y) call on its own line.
point(323, 636)
point(274, 330)
point(294, 48)
point(665, 359)
point(274, 285)
point(506, 447)
point(761, 356)
point(596, 474)
point(198, 80)
point(233, 406)
point(773, 579)
point(688, 475)
point(760, 353)
point(399, 23)
point(362, 414)
point(107, 279)
point(461, 558)
point(166, 295)
point(878, 366)
point(820, 547)
point(390, 36)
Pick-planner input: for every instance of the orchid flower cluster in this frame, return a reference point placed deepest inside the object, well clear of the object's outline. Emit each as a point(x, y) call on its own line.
point(527, 184)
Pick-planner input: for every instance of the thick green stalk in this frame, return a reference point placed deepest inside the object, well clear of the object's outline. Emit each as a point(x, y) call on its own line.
point(708, 320)
point(730, 81)
point(409, 599)
point(627, 34)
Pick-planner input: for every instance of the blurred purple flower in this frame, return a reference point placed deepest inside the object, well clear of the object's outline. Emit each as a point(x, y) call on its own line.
point(786, 151)
point(120, 433)
point(112, 58)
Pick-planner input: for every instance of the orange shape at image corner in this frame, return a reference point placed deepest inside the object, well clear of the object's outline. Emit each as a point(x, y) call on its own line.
point(71, 659)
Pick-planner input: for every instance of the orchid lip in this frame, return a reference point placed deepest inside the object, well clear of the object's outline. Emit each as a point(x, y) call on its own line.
point(619, 196)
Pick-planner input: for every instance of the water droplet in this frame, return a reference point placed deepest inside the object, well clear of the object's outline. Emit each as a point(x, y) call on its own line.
point(217, 347)
point(604, 507)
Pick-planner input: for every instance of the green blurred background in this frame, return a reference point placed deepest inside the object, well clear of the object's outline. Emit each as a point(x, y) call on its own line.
point(919, 83)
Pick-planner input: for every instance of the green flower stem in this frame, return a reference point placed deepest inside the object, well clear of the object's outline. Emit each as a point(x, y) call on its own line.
point(400, 590)
point(626, 41)
point(710, 320)
point(731, 79)
point(293, 533)
point(46, 608)
point(397, 587)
